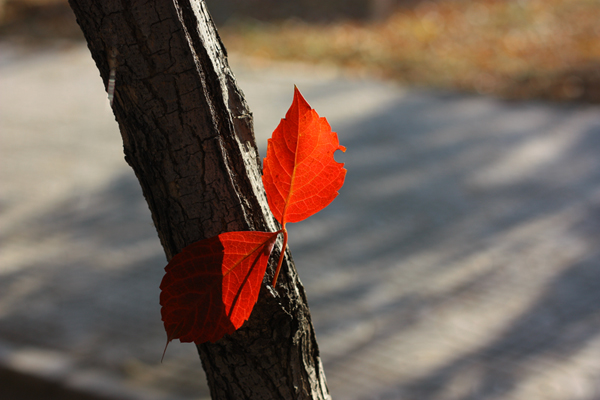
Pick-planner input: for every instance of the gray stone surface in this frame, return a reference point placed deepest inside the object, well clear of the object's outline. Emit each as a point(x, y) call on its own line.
point(461, 260)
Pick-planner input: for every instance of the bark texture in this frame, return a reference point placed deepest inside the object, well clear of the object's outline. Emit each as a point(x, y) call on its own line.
point(187, 134)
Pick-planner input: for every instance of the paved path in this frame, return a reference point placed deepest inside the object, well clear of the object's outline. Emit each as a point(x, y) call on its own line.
point(460, 262)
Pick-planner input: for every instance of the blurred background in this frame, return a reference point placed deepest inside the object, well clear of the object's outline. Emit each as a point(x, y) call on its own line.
point(461, 260)
point(520, 49)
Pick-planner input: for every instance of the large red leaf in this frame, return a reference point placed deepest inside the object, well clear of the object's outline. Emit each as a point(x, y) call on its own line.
point(210, 288)
point(300, 174)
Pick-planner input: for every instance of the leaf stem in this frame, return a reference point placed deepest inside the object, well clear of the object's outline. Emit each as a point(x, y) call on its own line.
point(281, 255)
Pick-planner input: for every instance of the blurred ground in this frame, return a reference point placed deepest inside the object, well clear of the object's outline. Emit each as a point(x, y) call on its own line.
point(460, 261)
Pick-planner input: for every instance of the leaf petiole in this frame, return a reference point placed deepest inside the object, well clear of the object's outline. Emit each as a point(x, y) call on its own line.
point(281, 255)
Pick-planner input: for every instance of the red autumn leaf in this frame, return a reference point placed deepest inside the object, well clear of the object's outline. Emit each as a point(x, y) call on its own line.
point(210, 288)
point(300, 174)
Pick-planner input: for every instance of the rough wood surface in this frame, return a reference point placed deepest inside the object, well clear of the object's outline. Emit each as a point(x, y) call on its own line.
point(187, 134)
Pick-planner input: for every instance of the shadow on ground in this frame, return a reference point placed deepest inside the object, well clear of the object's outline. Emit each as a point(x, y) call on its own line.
point(459, 262)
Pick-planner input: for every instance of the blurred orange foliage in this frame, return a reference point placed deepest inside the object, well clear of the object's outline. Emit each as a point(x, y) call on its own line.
point(514, 49)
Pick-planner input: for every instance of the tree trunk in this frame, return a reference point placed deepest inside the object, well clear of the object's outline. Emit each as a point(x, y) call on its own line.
point(188, 135)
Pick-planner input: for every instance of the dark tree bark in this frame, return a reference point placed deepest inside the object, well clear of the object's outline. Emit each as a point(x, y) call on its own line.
point(188, 135)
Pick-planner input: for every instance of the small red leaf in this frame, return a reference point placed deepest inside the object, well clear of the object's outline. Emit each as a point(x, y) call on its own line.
point(210, 288)
point(300, 174)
